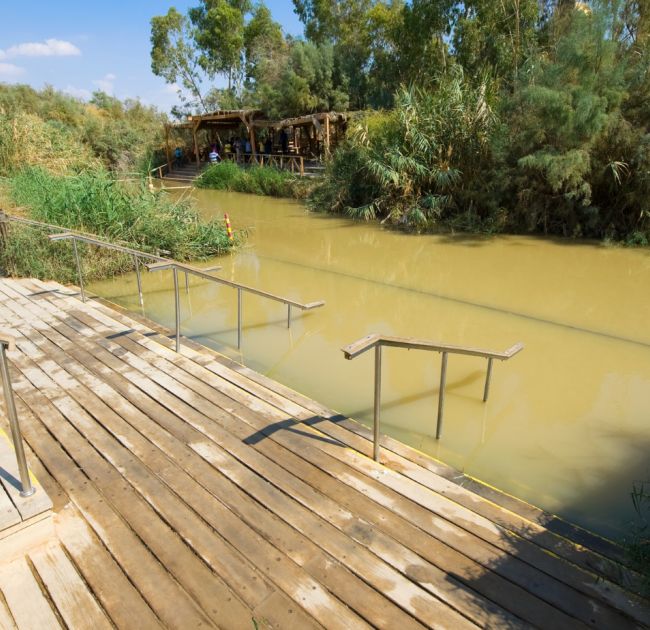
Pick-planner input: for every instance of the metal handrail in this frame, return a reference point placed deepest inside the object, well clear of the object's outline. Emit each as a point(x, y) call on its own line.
point(376, 341)
point(7, 342)
point(135, 253)
point(241, 288)
point(160, 263)
point(87, 238)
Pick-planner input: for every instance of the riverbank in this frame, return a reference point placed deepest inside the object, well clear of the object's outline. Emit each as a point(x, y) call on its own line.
point(255, 180)
point(95, 202)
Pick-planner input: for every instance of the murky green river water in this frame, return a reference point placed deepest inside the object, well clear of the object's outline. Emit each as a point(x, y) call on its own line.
point(567, 423)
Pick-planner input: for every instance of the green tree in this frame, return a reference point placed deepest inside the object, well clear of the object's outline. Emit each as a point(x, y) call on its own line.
point(299, 81)
point(174, 53)
point(495, 35)
point(565, 105)
point(219, 35)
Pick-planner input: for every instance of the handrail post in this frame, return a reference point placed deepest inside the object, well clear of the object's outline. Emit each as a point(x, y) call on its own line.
point(288, 315)
point(239, 318)
point(377, 409)
point(177, 308)
point(138, 279)
point(26, 483)
point(441, 395)
point(187, 282)
point(488, 377)
point(81, 280)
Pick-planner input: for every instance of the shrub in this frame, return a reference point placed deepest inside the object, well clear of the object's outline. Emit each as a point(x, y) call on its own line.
point(257, 180)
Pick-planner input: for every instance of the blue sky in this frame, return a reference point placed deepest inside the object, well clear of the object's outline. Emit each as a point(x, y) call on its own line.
point(80, 46)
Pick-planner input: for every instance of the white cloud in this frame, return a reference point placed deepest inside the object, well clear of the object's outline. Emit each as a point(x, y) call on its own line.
point(78, 92)
point(106, 84)
point(48, 48)
point(10, 70)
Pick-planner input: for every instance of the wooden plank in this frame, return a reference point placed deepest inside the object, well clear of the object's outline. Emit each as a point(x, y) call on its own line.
point(28, 604)
point(117, 595)
point(421, 595)
point(75, 604)
point(508, 512)
point(18, 540)
point(27, 507)
point(195, 576)
point(154, 582)
point(9, 515)
point(278, 611)
point(341, 583)
point(581, 579)
point(6, 620)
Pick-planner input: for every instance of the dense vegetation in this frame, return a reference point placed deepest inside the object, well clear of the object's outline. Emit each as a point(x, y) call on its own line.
point(63, 134)
point(95, 203)
point(256, 180)
point(553, 141)
point(63, 161)
point(521, 115)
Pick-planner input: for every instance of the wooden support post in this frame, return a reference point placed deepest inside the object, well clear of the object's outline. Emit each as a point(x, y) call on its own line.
point(168, 150)
point(302, 166)
point(196, 144)
point(327, 135)
point(251, 132)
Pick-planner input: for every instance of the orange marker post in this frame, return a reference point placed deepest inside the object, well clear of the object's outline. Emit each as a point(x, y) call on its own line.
point(228, 228)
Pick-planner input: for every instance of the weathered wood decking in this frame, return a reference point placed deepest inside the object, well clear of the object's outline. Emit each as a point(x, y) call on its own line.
point(190, 491)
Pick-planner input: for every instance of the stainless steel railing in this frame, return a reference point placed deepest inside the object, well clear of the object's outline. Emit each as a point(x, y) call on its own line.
point(161, 263)
point(135, 253)
point(76, 235)
point(378, 341)
point(7, 342)
point(166, 263)
point(241, 288)
point(159, 171)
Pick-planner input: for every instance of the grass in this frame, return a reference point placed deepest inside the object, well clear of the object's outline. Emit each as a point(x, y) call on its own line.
point(257, 180)
point(637, 543)
point(93, 202)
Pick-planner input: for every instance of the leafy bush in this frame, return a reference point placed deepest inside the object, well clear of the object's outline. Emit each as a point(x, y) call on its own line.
point(418, 164)
point(257, 180)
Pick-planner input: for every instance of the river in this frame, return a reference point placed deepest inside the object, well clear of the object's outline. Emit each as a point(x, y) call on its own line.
point(567, 423)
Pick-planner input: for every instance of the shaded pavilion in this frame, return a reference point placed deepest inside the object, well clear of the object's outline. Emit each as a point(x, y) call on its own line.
point(311, 134)
point(221, 120)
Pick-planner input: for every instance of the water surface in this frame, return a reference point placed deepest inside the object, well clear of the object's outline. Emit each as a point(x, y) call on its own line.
point(567, 423)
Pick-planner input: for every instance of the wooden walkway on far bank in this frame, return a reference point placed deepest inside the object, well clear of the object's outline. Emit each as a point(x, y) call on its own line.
point(195, 492)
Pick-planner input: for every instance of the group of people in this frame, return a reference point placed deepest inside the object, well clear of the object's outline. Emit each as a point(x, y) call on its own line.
point(241, 148)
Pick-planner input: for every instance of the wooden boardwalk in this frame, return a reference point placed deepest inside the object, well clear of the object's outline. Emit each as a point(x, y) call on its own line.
point(190, 491)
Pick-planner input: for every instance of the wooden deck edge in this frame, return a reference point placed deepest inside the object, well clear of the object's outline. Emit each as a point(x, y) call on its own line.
point(22, 538)
point(555, 524)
